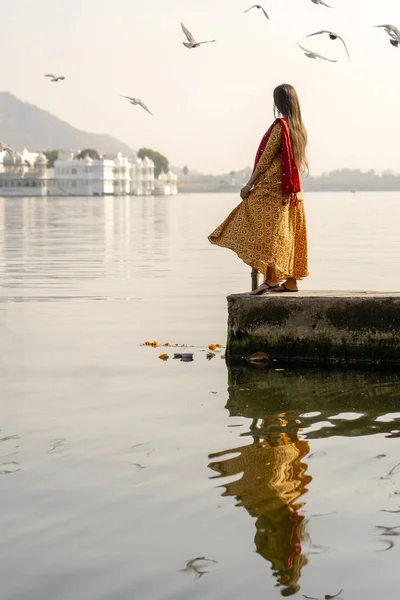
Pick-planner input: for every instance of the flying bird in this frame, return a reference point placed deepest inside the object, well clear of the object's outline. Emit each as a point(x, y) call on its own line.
point(393, 32)
point(55, 78)
point(332, 36)
point(6, 148)
point(137, 102)
point(191, 42)
point(312, 54)
point(197, 566)
point(260, 7)
point(322, 3)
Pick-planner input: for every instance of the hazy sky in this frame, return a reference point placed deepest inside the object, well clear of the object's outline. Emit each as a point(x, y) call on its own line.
point(212, 104)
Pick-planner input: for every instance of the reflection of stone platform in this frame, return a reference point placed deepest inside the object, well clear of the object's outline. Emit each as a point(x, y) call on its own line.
point(295, 398)
point(317, 327)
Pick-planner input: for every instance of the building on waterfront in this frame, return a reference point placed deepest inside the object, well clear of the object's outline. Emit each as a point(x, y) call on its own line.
point(25, 175)
point(166, 184)
point(84, 173)
point(89, 174)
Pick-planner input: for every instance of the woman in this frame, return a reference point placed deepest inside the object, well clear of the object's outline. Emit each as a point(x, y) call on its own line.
point(268, 228)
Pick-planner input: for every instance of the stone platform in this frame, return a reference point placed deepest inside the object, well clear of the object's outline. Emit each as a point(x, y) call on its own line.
point(358, 328)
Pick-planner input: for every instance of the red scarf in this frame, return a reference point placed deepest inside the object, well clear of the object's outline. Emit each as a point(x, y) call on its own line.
point(290, 172)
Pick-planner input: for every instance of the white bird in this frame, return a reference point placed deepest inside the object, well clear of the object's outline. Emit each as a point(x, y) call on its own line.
point(332, 36)
point(259, 7)
point(191, 42)
point(322, 3)
point(394, 33)
point(55, 78)
point(312, 54)
point(6, 148)
point(137, 102)
point(196, 565)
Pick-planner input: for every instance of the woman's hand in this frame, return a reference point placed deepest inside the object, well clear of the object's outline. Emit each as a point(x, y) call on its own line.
point(245, 191)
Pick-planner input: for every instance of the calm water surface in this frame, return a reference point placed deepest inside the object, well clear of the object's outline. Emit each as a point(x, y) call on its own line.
point(119, 470)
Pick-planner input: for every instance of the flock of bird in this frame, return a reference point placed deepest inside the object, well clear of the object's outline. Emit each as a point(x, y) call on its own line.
point(391, 30)
point(191, 43)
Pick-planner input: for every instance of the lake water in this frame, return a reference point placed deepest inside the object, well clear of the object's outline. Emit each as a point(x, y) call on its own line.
point(124, 476)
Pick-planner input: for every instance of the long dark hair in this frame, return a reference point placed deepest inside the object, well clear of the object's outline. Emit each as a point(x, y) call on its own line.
point(287, 103)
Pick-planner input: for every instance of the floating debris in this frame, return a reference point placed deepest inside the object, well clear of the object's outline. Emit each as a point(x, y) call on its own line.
point(154, 344)
point(164, 357)
point(258, 357)
point(210, 355)
point(177, 355)
point(214, 347)
point(187, 357)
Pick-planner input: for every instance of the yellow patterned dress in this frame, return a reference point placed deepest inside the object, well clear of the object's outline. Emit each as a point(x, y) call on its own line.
point(266, 229)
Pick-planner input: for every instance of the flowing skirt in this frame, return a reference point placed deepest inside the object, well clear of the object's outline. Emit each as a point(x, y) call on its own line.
point(264, 233)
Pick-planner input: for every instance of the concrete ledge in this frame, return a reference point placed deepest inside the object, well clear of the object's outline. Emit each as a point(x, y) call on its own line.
point(360, 328)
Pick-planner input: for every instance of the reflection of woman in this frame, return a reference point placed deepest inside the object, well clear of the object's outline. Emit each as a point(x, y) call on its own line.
point(268, 229)
point(272, 481)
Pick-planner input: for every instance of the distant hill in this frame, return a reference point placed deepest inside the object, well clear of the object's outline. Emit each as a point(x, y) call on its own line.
point(345, 180)
point(341, 180)
point(23, 125)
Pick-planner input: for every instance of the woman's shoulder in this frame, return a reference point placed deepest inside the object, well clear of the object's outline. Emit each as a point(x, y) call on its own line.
point(276, 127)
point(279, 123)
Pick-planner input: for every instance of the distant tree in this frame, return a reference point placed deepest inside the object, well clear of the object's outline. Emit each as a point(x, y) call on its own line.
point(161, 163)
point(185, 172)
point(91, 152)
point(51, 156)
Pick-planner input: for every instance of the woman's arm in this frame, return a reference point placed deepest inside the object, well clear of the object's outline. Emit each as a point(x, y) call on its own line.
point(272, 148)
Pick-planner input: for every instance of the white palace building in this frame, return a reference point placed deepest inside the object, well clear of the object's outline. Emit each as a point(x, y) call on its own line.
point(85, 173)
